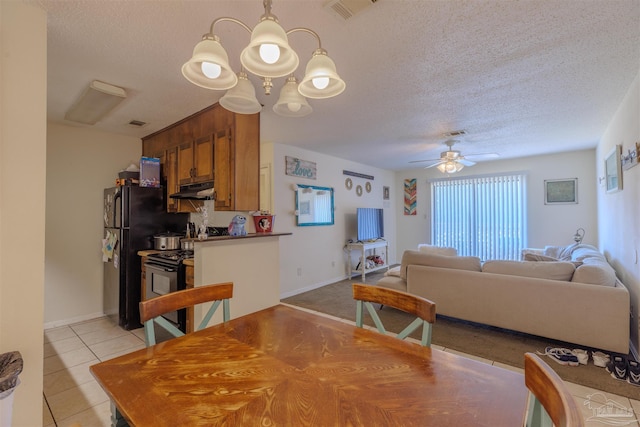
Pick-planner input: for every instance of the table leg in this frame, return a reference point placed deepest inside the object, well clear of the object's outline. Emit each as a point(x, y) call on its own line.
point(117, 420)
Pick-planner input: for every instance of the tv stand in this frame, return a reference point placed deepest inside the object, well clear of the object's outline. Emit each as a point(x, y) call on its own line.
point(362, 248)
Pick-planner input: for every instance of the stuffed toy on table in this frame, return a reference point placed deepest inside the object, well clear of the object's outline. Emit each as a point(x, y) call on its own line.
point(236, 226)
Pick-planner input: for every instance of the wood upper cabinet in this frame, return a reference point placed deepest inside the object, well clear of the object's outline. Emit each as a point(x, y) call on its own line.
point(213, 144)
point(195, 160)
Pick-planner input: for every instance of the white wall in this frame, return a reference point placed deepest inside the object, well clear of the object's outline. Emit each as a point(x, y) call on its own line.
point(618, 213)
point(23, 94)
point(318, 251)
point(81, 163)
point(546, 224)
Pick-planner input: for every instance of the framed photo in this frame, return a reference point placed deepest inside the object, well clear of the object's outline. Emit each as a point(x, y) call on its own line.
point(385, 193)
point(613, 169)
point(561, 191)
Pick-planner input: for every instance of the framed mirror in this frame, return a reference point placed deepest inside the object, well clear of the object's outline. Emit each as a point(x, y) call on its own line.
point(314, 205)
point(613, 169)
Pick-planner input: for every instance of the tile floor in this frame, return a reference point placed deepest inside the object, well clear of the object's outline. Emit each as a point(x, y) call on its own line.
point(72, 396)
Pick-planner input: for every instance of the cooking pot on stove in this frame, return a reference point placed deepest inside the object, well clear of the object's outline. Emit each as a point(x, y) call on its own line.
point(167, 241)
point(186, 244)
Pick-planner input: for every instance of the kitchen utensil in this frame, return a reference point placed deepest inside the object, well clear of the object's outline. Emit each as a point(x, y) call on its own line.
point(167, 241)
point(186, 244)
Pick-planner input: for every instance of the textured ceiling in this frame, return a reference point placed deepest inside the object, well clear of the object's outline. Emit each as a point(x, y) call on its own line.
point(521, 77)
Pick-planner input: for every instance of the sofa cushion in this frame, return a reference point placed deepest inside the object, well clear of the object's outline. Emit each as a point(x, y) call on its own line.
point(470, 263)
point(437, 250)
point(595, 271)
point(538, 257)
point(558, 270)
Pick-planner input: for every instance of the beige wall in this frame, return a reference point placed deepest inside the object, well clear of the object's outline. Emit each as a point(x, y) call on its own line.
point(81, 163)
point(23, 89)
point(546, 224)
point(619, 213)
point(317, 252)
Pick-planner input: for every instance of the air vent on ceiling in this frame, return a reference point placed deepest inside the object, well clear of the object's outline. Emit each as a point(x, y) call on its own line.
point(345, 9)
point(137, 123)
point(455, 133)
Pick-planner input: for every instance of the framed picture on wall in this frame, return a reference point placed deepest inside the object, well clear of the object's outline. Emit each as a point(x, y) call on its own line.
point(561, 191)
point(613, 169)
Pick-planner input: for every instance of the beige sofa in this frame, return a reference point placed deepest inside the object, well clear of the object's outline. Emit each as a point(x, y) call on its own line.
point(570, 294)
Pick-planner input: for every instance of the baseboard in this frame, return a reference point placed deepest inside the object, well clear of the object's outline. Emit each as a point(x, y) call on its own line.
point(66, 322)
point(311, 287)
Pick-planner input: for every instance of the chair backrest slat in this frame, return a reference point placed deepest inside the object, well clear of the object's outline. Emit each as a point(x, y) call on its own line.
point(422, 308)
point(551, 400)
point(151, 310)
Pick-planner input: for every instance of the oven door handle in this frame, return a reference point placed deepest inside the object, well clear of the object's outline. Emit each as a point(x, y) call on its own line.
point(157, 267)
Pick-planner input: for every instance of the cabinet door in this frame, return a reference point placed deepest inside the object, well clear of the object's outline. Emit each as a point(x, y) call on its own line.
point(172, 182)
point(223, 182)
point(185, 162)
point(203, 159)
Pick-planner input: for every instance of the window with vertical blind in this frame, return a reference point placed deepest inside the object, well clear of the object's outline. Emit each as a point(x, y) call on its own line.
point(480, 216)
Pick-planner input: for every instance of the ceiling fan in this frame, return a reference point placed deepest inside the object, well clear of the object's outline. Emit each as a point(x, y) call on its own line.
point(452, 161)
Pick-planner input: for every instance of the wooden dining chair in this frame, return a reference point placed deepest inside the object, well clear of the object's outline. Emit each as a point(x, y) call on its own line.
point(422, 308)
point(550, 402)
point(151, 310)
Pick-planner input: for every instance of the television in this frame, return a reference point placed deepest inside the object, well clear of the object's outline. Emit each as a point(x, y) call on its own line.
point(370, 224)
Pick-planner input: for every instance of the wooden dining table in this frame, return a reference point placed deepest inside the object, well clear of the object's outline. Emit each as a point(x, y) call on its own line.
point(284, 366)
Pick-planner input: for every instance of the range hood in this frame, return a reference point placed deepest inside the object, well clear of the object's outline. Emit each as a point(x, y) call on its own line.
point(199, 191)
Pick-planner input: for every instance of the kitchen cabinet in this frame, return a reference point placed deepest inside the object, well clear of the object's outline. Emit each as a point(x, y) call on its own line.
point(213, 144)
point(195, 160)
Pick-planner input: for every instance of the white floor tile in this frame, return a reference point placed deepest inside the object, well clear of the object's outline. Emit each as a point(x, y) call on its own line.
point(55, 334)
point(127, 342)
point(66, 379)
point(600, 409)
point(47, 418)
point(62, 346)
point(104, 333)
point(469, 356)
point(78, 399)
point(68, 360)
point(96, 416)
point(100, 324)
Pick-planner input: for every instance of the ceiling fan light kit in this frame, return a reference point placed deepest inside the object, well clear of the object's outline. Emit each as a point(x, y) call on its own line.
point(452, 161)
point(268, 55)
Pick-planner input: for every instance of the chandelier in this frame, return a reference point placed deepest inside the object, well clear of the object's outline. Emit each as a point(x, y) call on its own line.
point(267, 56)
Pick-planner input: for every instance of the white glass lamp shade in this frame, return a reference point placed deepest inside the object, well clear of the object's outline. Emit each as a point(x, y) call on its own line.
point(321, 79)
point(269, 32)
point(210, 53)
point(241, 99)
point(291, 103)
point(450, 167)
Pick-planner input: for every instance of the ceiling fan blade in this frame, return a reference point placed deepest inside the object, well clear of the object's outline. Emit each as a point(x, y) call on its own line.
point(483, 155)
point(466, 162)
point(427, 160)
point(435, 164)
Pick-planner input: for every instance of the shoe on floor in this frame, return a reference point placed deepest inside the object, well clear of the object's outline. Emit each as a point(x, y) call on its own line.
point(563, 356)
point(618, 368)
point(634, 373)
point(582, 355)
point(600, 359)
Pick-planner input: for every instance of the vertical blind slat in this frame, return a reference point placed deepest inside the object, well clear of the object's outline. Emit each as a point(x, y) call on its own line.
point(482, 216)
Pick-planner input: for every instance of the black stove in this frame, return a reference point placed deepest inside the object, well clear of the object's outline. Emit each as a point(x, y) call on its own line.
point(169, 258)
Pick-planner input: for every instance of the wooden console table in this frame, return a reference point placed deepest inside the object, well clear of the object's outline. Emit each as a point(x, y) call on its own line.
point(363, 247)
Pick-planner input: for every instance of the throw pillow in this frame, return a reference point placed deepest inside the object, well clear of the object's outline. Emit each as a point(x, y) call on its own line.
point(470, 263)
point(538, 257)
point(437, 250)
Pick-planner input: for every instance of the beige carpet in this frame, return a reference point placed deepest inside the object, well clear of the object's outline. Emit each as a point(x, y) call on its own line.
point(488, 342)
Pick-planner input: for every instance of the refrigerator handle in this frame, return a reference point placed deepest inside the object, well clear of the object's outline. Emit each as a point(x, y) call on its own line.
point(116, 196)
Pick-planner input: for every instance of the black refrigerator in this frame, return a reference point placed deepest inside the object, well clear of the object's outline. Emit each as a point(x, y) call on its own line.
point(132, 216)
